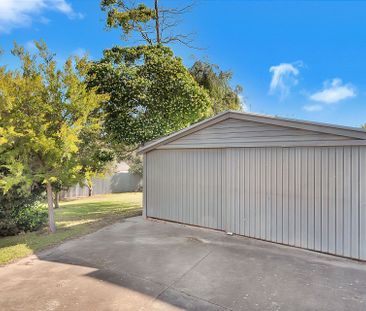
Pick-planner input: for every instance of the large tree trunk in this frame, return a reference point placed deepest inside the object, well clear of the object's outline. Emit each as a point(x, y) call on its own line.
point(157, 22)
point(90, 190)
point(51, 213)
point(57, 199)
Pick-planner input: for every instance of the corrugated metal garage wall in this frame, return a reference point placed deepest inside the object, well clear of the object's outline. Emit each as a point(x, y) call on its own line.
point(185, 186)
point(310, 197)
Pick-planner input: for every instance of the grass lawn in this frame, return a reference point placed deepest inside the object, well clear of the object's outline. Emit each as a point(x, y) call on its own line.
point(73, 219)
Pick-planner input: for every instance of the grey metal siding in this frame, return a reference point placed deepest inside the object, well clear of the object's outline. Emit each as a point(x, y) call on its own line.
point(309, 197)
point(117, 183)
point(185, 186)
point(233, 131)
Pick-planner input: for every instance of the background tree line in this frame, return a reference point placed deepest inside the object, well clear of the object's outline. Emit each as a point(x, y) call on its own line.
point(65, 125)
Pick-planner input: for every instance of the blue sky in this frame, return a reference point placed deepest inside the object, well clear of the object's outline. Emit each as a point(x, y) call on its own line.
point(295, 59)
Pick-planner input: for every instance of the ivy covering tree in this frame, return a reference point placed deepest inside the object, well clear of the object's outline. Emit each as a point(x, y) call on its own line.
point(43, 113)
point(151, 93)
point(217, 83)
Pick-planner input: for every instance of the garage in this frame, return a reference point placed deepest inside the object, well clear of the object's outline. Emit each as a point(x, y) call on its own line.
point(286, 181)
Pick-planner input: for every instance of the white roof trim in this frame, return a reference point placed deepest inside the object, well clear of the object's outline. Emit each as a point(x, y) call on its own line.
point(351, 132)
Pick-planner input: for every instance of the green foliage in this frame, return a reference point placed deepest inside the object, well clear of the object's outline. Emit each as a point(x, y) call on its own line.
point(217, 83)
point(20, 211)
point(154, 25)
point(8, 225)
point(30, 217)
point(95, 154)
point(120, 15)
point(136, 165)
point(151, 93)
point(43, 113)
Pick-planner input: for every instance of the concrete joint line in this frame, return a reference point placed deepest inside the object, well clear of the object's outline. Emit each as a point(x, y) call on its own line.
point(199, 298)
point(190, 295)
point(190, 269)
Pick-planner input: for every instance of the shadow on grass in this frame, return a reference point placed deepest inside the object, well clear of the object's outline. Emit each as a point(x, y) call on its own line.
point(91, 211)
point(72, 221)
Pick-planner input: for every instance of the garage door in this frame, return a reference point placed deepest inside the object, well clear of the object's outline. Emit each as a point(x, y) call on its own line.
point(302, 196)
point(186, 186)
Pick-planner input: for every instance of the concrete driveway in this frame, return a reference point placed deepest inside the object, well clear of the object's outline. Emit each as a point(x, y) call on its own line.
point(147, 265)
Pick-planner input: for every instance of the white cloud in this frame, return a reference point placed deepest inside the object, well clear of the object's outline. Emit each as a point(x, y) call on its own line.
point(20, 13)
point(64, 7)
point(313, 108)
point(333, 92)
point(283, 78)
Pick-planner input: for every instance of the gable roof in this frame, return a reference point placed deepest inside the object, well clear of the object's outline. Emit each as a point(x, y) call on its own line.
point(351, 132)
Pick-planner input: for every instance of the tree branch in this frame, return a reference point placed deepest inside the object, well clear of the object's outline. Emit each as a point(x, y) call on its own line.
point(183, 39)
point(178, 11)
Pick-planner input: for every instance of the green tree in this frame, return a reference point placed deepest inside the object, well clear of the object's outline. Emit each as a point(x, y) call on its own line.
point(151, 93)
point(217, 83)
point(43, 113)
point(95, 154)
point(155, 25)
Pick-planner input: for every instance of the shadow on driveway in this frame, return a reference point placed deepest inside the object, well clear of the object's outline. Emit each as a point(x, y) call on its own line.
point(147, 265)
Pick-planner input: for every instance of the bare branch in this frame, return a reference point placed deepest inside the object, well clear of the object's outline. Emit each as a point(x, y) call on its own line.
point(166, 26)
point(169, 20)
point(183, 39)
point(145, 35)
point(178, 11)
point(156, 24)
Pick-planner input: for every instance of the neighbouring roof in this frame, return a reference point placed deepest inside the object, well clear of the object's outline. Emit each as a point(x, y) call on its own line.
point(352, 132)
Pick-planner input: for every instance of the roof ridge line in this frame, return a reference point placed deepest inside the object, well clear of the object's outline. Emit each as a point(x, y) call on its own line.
point(339, 130)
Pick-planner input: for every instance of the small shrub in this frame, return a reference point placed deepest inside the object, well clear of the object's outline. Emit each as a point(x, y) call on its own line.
point(27, 218)
point(21, 211)
point(30, 218)
point(136, 166)
point(8, 225)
